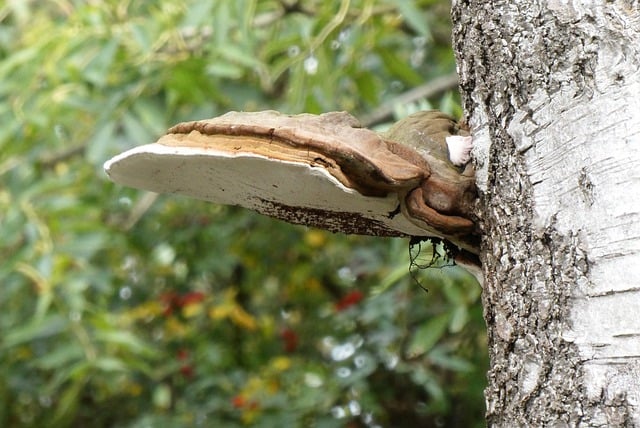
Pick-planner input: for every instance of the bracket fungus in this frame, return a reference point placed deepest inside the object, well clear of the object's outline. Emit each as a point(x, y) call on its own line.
point(322, 170)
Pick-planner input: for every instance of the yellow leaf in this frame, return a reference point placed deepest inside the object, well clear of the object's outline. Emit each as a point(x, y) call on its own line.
point(242, 318)
point(146, 310)
point(281, 363)
point(175, 328)
point(315, 238)
point(220, 312)
point(191, 310)
point(231, 309)
point(249, 416)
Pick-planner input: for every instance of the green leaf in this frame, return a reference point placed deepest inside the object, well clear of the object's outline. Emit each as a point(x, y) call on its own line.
point(459, 318)
point(236, 55)
point(99, 145)
point(414, 16)
point(22, 57)
point(449, 361)
point(427, 335)
point(98, 69)
point(51, 325)
point(60, 357)
point(368, 88)
point(68, 403)
point(135, 131)
point(162, 396)
point(399, 67)
point(127, 340)
point(151, 115)
point(110, 364)
point(225, 70)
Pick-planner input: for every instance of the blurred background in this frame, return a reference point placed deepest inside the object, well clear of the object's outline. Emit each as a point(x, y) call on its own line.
point(122, 308)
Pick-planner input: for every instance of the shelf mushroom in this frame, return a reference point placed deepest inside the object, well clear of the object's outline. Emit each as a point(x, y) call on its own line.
point(322, 170)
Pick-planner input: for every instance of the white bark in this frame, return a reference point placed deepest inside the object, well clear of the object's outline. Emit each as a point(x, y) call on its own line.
point(552, 91)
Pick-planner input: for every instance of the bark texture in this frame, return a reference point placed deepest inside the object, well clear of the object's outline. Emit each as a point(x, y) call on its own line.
point(551, 91)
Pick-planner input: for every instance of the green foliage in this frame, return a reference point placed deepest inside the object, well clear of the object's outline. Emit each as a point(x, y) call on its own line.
point(122, 308)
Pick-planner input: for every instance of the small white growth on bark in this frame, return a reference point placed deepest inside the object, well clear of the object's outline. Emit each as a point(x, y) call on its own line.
point(459, 149)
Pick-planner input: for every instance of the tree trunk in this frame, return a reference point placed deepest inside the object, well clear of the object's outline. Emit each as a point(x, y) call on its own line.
point(551, 90)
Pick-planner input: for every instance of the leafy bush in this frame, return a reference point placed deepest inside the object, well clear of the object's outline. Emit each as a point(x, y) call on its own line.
point(124, 308)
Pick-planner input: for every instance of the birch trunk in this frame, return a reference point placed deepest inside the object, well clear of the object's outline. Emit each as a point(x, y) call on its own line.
point(551, 90)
